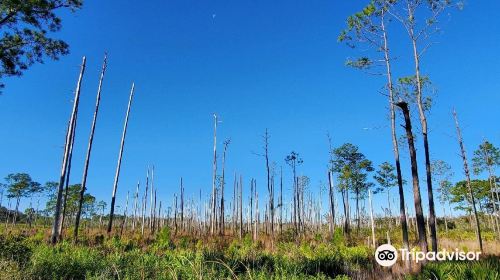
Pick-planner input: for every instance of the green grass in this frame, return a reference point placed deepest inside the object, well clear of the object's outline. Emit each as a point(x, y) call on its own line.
point(485, 269)
point(30, 258)
point(186, 257)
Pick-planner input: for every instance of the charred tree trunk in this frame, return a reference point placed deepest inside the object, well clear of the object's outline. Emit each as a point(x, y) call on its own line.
point(422, 236)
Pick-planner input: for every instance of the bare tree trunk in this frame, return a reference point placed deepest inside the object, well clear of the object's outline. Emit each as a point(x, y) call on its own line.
point(214, 178)
point(491, 179)
point(240, 206)
point(269, 183)
point(467, 175)
point(332, 206)
point(371, 218)
point(68, 173)
point(422, 236)
point(89, 149)
point(124, 222)
point(182, 206)
point(281, 200)
point(144, 203)
point(115, 185)
point(256, 230)
point(223, 182)
point(57, 219)
point(251, 221)
point(175, 215)
point(233, 217)
point(151, 200)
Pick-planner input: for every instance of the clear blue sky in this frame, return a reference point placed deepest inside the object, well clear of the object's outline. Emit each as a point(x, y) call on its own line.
point(258, 65)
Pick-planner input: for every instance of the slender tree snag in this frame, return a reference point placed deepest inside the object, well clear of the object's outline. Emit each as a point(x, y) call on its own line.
point(256, 230)
point(182, 205)
point(115, 184)
point(467, 176)
point(222, 183)
point(422, 236)
point(151, 200)
point(57, 215)
point(124, 216)
point(175, 214)
point(233, 217)
point(145, 203)
point(136, 201)
point(89, 149)
point(68, 174)
point(332, 206)
point(240, 205)
point(251, 221)
point(371, 218)
point(214, 178)
point(281, 200)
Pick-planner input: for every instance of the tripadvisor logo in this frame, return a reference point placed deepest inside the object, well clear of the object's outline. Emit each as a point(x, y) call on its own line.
point(387, 255)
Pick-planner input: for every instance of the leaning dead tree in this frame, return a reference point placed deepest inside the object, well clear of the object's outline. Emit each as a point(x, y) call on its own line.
point(68, 174)
point(467, 176)
point(89, 149)
point(117, 175)
point(57, 215)
point(419, 215)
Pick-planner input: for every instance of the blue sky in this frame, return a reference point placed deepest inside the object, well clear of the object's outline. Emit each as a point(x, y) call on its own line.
point(258, 64)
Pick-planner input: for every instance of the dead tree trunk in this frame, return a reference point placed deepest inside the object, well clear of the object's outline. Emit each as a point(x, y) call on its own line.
point(269, 183)
point(371, 218)
point(222, 183)
point(57, 215)
point(214, 178)
point(151, 202)
point(240, 205)
point(332, 206)
point(89, 149)
point(422, 236)
point(144, 203)
point(124, 222)
point(117, 175)
point(182, 205)
point(281, 200)
point(136, 205)
point(251, 221)
point(68, 174)
point(467, 176)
